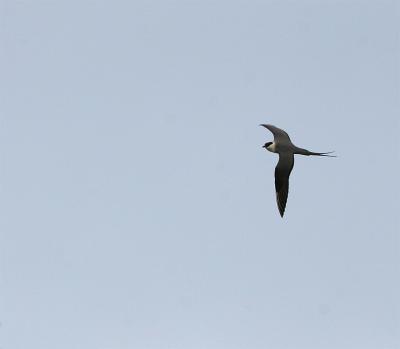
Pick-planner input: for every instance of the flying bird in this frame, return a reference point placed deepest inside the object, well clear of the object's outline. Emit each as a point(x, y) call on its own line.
point(283, 146)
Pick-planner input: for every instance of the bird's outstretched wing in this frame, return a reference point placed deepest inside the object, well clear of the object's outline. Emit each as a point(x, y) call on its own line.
point(279, 134)
point(282, 173)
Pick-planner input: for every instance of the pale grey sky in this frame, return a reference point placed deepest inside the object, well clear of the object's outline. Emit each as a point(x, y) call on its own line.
point(137, 206)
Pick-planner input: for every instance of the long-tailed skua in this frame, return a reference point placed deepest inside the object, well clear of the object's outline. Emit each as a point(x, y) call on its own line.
point(283, 146)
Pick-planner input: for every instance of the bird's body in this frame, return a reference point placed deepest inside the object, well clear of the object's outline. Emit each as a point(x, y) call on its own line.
point(283, 146)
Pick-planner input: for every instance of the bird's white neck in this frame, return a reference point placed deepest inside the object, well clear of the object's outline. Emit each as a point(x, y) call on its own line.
point(272, 147)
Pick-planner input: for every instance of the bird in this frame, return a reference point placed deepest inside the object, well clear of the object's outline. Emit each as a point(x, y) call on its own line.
point(283, 146)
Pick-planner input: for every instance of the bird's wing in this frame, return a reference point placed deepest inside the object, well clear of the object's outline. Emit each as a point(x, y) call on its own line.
point(282, 173)
point(279, 135)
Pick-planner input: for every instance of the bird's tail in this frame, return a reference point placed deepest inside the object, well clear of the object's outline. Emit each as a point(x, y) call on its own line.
point(306, 152)
point(322, 154)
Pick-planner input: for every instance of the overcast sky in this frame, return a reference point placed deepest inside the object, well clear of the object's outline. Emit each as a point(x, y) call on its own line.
point(137, 207)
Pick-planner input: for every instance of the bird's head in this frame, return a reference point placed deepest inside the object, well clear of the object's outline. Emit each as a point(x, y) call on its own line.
point(266, 145)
